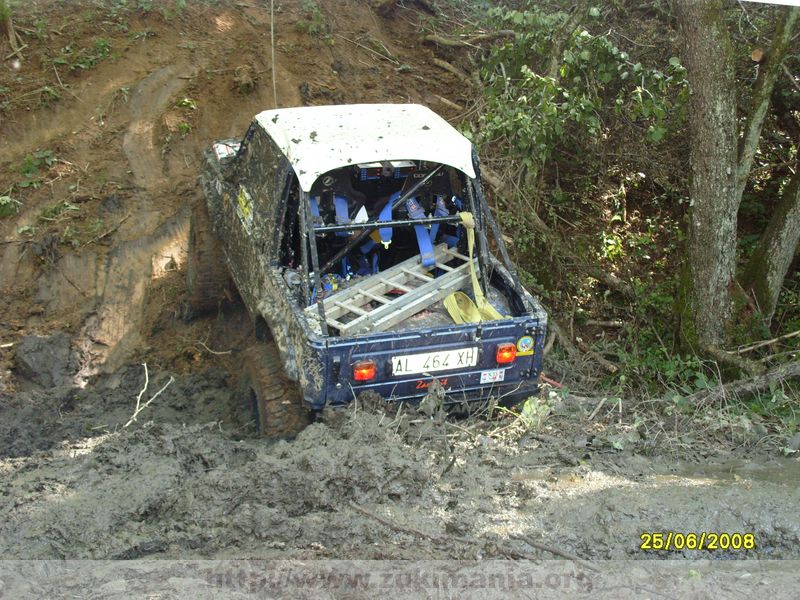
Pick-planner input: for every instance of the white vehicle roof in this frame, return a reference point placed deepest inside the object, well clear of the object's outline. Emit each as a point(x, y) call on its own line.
point(318, 139)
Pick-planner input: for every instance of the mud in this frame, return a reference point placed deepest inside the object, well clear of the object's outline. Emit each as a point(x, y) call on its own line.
point(46, 361)
point(188, 478)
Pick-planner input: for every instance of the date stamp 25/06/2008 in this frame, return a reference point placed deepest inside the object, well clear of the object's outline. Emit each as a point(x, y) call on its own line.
point(701, 540)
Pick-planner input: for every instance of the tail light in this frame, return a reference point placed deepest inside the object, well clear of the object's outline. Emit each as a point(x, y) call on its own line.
point(506, 353)
point(364, 370)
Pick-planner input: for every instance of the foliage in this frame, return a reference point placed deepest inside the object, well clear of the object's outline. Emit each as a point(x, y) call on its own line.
point(787, 313)
point(32, 165)
point(536, 409)
point(57, 210)
point(536, 112)
point(168, 9)
point(313, 21)
point(8, 206)
point(6, 8)
point(83, 58)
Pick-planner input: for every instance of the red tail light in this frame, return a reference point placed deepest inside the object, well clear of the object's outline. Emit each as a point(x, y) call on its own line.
point(506, 353)
point(364, 370)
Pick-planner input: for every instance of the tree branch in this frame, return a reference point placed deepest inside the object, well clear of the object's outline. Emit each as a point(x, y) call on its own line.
point(762, 91)
point(460, 43)
point(452, 69)
point(556, 244)
point(763, 343)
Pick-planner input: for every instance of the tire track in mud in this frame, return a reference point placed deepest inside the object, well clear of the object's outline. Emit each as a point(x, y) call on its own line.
point(123, 276)
point(126, 274)
point(147, 102)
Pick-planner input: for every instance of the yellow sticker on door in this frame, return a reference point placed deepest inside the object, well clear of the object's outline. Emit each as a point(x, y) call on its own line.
point(245, 207)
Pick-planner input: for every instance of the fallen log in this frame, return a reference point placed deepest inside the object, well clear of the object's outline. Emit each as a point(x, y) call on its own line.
point(747, 387)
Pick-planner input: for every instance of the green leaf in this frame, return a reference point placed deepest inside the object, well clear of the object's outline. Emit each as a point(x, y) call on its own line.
point(594, 12)
point(675, 61)
point(656, 133)
point(8, 206)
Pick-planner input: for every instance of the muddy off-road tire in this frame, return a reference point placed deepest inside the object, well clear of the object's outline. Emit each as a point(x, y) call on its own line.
point(207, 279)
point(275, 401)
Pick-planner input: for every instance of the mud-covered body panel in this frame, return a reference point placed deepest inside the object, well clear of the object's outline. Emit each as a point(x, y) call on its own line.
point(247, 201)
point(250, 250)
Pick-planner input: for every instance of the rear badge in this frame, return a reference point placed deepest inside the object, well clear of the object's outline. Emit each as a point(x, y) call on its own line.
point(525, 346)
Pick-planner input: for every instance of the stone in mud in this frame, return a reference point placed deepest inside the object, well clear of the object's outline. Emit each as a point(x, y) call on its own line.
point(48, 361)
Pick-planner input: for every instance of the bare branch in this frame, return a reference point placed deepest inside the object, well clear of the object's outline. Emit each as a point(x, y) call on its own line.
point(199, 343)
point(471, 41)
point(109, 232)
point(452, 69)
point(556, 551)
point(139, 406)
point(767, 342)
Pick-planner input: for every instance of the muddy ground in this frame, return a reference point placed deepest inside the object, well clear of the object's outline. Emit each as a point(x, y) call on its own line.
point(90, 295)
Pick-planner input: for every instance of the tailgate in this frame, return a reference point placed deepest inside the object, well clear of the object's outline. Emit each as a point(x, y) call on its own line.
point(461, 357)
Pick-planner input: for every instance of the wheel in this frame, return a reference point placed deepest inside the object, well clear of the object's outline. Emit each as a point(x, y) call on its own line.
point(275, 401)
point(207, 280)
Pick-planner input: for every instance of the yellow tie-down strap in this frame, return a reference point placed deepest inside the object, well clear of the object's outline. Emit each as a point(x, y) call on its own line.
point(460, 306)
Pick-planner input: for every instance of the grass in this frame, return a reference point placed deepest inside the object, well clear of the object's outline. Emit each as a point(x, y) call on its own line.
point(9, 206)
point(83, 58)
point(55, 211)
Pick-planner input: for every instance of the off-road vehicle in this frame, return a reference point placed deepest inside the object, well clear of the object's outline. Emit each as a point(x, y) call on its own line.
point(356, 236)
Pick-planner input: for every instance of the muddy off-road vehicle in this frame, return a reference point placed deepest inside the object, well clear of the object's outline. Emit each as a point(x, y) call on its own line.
point(356, 237)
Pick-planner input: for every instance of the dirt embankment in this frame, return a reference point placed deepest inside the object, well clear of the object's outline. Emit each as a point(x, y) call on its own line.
point(188, 478)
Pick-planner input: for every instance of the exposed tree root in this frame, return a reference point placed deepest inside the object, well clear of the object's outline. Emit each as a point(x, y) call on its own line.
point(734, 360)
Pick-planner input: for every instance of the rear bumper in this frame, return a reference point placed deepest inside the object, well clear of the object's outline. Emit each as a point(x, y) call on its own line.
point(459, 388)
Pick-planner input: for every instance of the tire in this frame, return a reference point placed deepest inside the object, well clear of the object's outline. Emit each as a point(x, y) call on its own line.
point(207, 279)
point(275, 401)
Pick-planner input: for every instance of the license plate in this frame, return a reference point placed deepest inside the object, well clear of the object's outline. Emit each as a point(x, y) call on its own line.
point(493, 375)
point(430, 362)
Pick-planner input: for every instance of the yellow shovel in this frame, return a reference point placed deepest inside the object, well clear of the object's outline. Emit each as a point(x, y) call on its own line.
point(460, 306)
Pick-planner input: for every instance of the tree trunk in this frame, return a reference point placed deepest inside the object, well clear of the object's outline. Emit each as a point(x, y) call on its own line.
point(561, 36)
point(705, 304)
point(764, 275)
point(762, 91)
